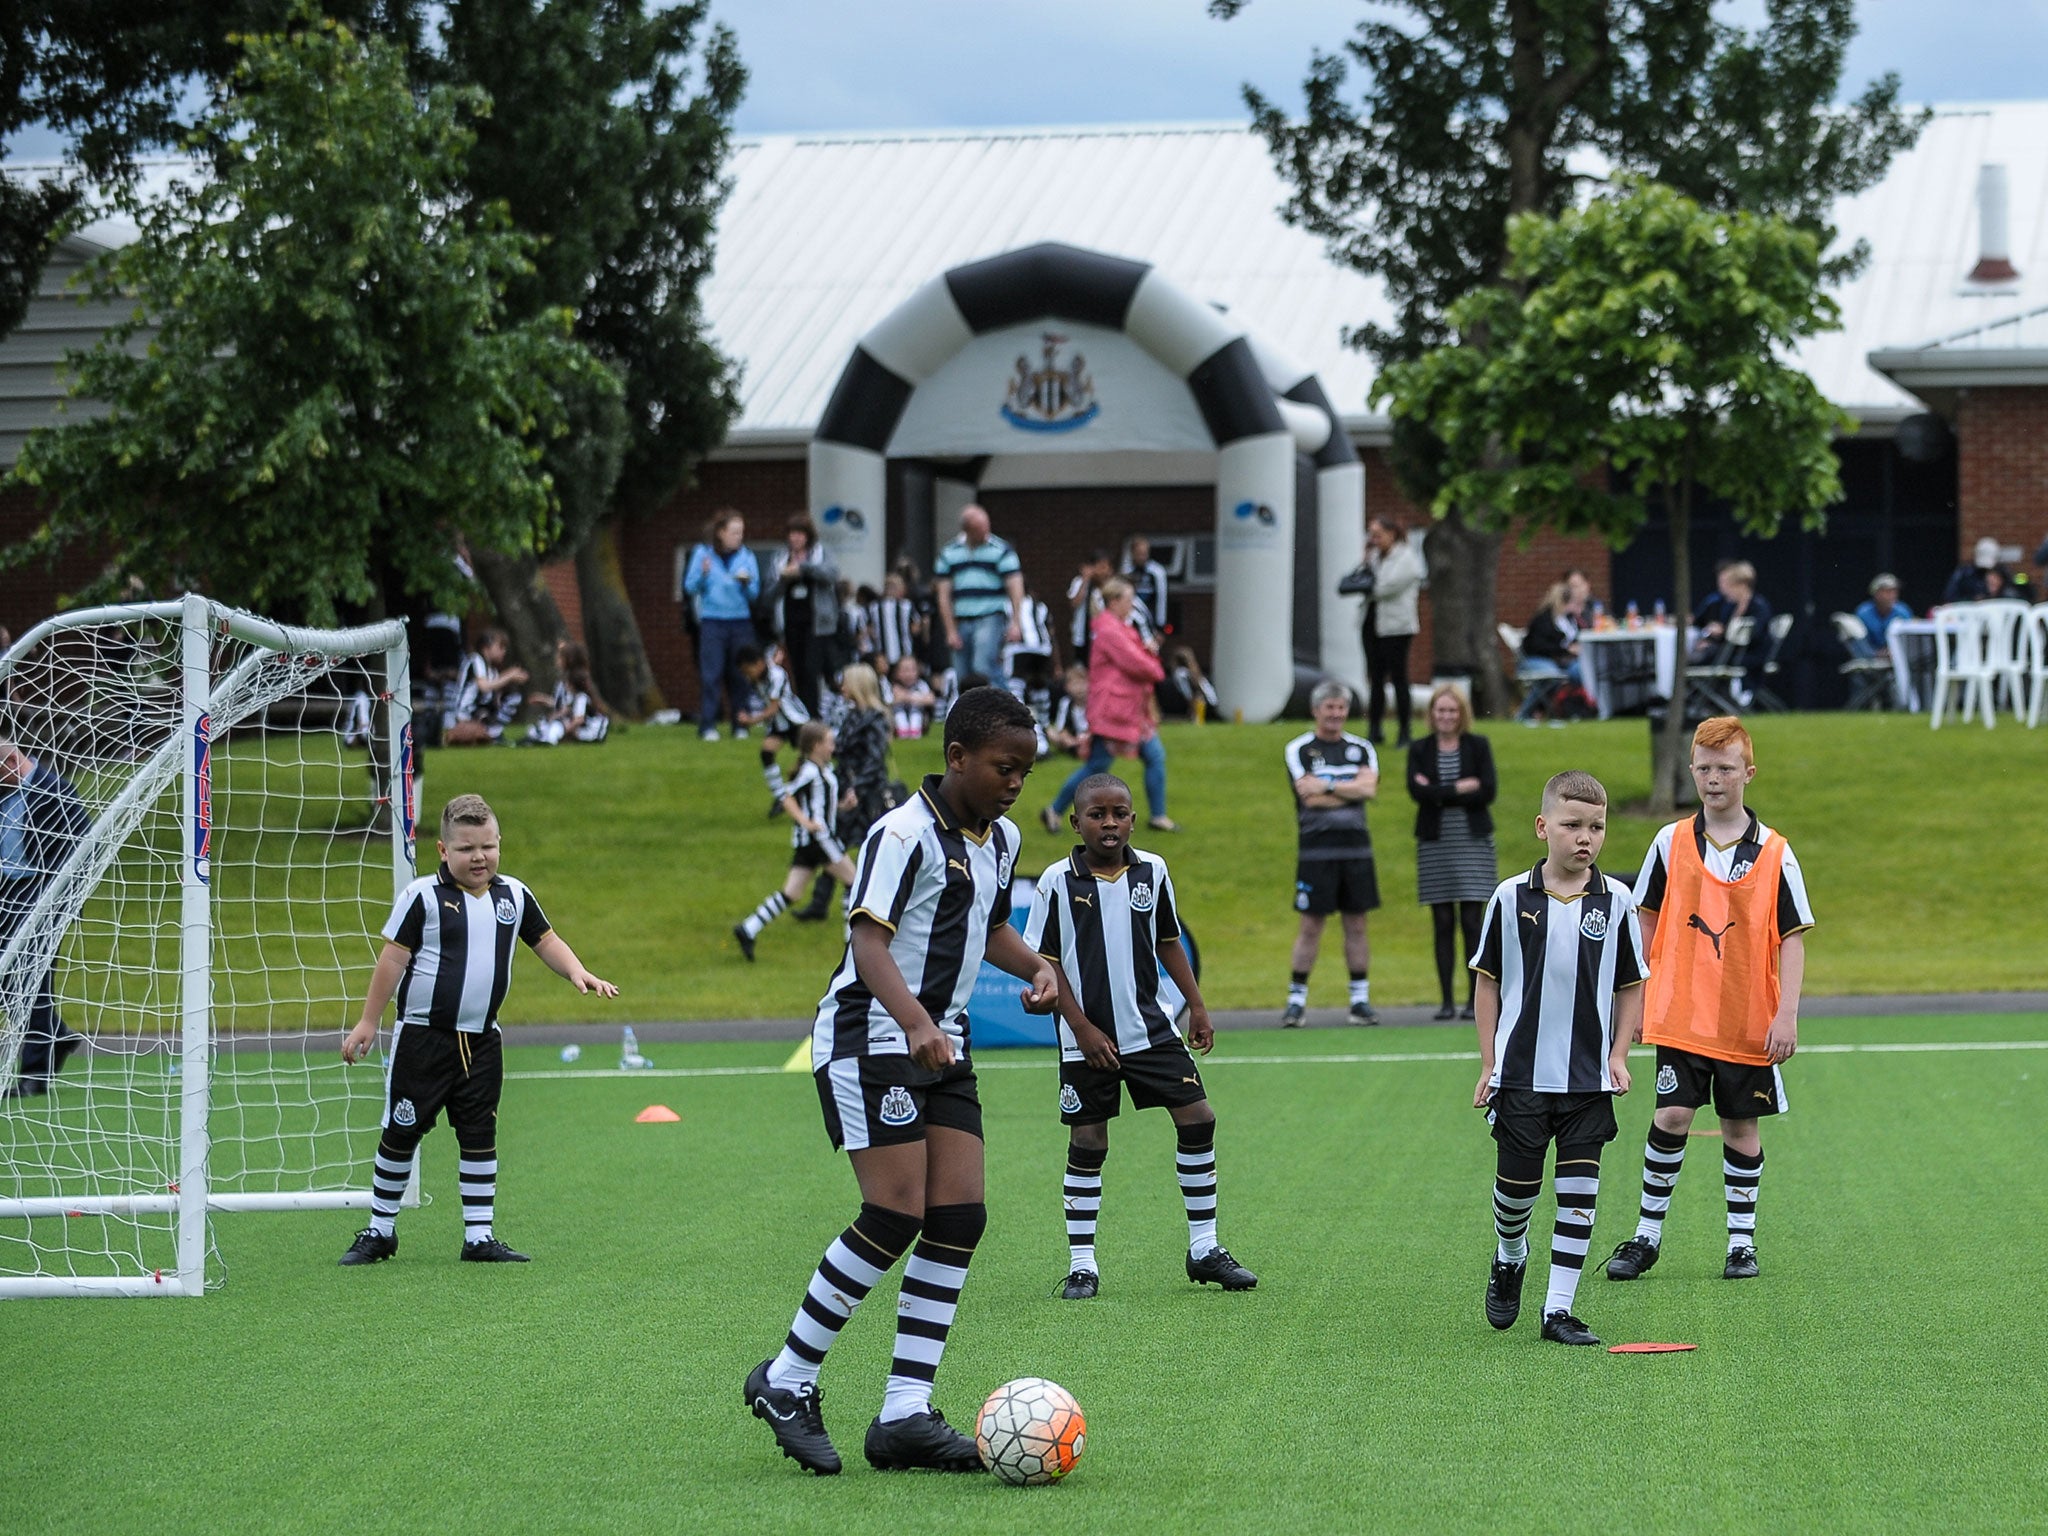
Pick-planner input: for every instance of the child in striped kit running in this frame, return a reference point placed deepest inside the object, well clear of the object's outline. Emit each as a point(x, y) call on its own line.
point(1560, 972)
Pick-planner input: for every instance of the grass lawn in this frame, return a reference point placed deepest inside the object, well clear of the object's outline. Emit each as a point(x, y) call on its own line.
point(1884, 1373)
point(1919, 849)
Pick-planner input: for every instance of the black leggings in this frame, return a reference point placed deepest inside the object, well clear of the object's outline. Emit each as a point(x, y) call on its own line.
point(1386, 665)
point(1449, 916)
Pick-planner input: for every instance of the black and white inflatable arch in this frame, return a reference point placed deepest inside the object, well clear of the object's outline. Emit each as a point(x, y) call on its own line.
point(1259, 409)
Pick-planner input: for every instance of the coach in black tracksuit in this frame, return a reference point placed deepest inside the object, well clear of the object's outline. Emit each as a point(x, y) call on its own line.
point(41, 821)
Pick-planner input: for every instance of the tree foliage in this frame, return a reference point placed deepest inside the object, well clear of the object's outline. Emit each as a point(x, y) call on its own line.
point(1469, 112)
point(317, 392)
point(1639, 343)
point(115, 76)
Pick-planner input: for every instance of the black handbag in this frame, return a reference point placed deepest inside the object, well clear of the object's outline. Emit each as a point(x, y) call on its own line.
point(1358, 584)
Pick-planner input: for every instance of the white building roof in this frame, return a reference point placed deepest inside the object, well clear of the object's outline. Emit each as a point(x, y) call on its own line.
point(824, 234)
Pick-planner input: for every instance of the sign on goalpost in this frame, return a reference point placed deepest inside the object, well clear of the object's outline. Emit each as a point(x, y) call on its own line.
point(204, 913)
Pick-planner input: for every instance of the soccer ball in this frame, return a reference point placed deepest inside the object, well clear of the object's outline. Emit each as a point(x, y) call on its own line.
point(1030, 1431)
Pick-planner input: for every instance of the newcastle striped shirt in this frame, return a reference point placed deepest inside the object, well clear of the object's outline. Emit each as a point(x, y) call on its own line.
point(940, 888)
point(815, 789)
point(461, 948)
point(1559, 960)
point(1105, 933)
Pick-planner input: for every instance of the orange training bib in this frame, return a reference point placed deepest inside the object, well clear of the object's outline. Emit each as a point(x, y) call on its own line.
point(1714, 961)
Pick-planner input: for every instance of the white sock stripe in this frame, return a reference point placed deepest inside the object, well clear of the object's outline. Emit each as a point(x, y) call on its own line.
point(913, 1349)
point(853, 1266)
point(482, 1190)
point(946, 1276)
point(1576, 1185)
point(482, 1170)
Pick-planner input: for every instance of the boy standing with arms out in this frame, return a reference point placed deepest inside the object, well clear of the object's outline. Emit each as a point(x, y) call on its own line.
point(1106, 916)
point(1559, 998)
point(812, 801)
point(890, 1052)
point(1333, 774)
point(1724, 910)
point(448, 959)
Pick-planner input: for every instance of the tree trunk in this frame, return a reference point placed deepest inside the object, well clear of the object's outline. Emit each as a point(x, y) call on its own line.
point(526, 612)
point(1463, 570)
point(618, 656)
point(1673, 758)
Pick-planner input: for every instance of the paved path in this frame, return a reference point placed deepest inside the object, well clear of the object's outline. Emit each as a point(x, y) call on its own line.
point(1319, 1018)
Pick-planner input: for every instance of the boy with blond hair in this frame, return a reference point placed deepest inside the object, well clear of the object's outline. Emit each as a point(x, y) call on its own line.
point(1724, 913)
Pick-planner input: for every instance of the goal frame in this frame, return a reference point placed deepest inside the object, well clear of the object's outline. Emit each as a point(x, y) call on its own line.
point(200, 621)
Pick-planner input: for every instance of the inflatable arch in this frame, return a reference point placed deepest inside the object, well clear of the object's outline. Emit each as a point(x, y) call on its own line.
point(1259, 410)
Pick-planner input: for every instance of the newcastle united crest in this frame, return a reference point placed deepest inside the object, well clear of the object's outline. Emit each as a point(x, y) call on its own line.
point(1053, 397)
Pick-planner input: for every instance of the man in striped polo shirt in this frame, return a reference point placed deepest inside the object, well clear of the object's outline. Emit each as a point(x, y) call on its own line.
point(1559, 999)
point(889, 1051)
point(980, 586)
point(448, 960)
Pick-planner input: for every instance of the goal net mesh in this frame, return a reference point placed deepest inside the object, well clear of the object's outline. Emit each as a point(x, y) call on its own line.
point(295, 844)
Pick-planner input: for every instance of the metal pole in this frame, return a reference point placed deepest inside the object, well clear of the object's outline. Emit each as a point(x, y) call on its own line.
point(195, 944)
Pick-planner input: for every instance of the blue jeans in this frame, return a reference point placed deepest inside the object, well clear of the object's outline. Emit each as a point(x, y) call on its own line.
point(981, 646)
point(718, 643)
point(1151, 753)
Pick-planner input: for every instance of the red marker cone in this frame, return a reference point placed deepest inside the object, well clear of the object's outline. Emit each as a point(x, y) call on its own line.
point(656, 1114)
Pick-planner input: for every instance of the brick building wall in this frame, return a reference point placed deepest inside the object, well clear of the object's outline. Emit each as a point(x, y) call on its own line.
point(29, 593)
point(2002, 468)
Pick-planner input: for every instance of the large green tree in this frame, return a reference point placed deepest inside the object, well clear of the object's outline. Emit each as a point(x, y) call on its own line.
point(317, 392)
point(1470, 112)
point(115, 77)
point(608, 141)
point(1637, 347)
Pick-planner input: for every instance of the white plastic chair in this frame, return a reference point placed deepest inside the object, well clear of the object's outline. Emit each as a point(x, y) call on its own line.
point(2037, 661)
point(1959, 664)
point(2005, 651)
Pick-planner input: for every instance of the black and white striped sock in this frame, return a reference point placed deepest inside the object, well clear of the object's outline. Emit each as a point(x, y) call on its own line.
point(1516, 1181)
point(932, 1282)
point(1577, 1185)
point(857, 1259)
point(390, 1174)
point(1195, 1162)
point(764, 914)
point(1083, 1197)
point(476, 1174)
point(1743, 1174)
point(771, 771)
point(1663, 1159)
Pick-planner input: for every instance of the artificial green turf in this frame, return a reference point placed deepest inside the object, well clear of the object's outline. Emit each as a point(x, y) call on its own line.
point(1885, 1373)
point(646, 850)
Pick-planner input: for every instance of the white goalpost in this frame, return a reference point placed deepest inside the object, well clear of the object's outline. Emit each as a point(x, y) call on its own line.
point(192, 878)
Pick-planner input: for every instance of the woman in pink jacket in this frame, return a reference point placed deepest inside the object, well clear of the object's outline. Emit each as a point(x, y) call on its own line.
point(1122, 670)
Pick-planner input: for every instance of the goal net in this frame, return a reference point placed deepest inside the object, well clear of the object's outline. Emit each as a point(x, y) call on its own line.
point(202, 826)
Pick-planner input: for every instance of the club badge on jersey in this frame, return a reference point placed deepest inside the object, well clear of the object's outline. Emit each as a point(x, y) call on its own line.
point(897, 1108)
point(506, 911)
point(1070, 1101)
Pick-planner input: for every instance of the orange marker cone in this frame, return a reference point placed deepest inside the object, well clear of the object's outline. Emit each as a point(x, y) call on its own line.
point(656, 1114)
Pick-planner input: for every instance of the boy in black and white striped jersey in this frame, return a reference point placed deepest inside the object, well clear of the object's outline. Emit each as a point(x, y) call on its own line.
point(897, 1086)
point(778, 711)
point(813, 801)
point(1106, 915)
point(447, 958)
point(1559, 998)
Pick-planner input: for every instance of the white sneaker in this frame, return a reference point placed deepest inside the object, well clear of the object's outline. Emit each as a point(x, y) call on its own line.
point(707, 735)
point(739, 733)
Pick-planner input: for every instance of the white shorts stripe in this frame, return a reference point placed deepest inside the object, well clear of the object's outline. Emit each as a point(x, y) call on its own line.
point(851, 1102)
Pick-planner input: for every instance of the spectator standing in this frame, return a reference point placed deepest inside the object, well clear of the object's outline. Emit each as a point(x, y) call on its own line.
point(41, 821)
point(895, 628)
point(722, 582)
point(1881, 610)
point(1148, 579)
point(803, 581)
point(1451, 780)
point(1084, 601)
point(1123, 670)
point(1392, 616)
point(980, 586)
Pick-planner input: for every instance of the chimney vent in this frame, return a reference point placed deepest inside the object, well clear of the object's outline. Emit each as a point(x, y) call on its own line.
point(1994, 253)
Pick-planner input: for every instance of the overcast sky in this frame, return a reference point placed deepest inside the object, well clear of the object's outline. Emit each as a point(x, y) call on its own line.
point(819, 64)
point(822, 64)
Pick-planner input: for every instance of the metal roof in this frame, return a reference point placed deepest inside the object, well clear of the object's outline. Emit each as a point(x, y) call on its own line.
point(824, 234)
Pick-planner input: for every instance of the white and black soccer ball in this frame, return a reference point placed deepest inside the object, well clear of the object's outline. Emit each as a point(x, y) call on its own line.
point(1030, 1431)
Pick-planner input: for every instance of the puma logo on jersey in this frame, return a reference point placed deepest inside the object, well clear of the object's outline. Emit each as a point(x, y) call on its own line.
point(1528, 917)
point(1695, 922)
point(1759, 1093)
point(1084, 900)
point(959, 864)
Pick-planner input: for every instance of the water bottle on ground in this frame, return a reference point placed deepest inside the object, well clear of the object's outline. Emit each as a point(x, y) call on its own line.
point(630, 1059)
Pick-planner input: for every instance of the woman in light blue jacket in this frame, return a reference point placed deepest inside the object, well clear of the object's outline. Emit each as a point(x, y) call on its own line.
point(723, 579)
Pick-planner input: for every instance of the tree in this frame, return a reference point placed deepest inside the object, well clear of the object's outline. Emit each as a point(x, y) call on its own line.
point(1639, 346)
point(1475, 111)
point(115, 75)
point(608, 142)
point(332, 396)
